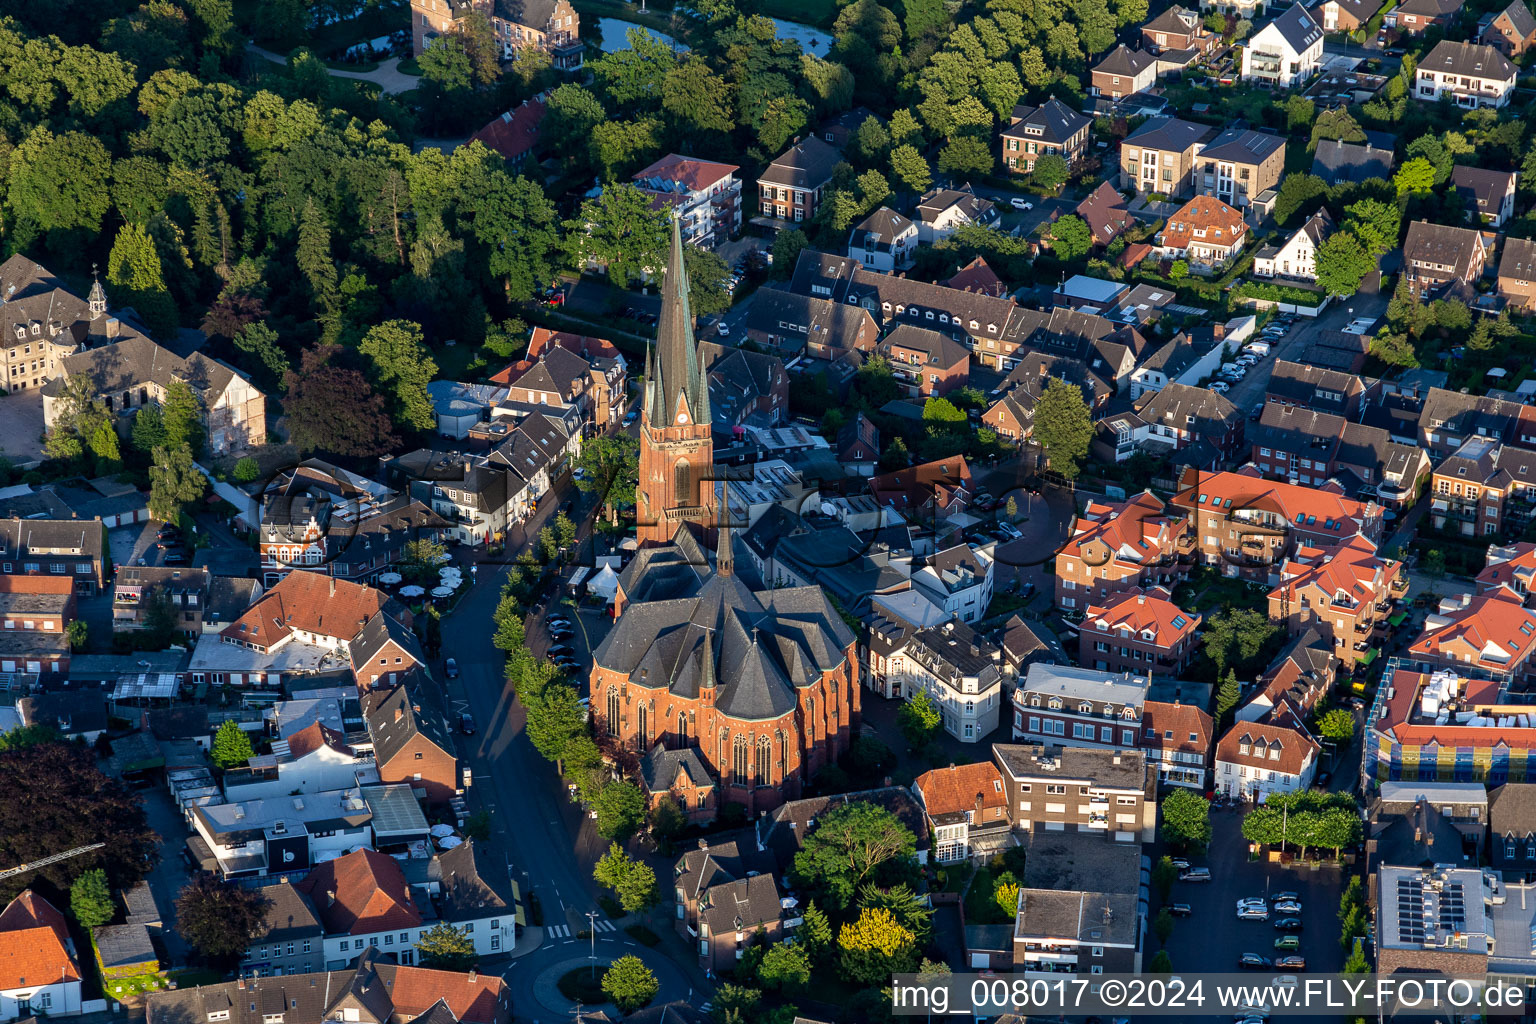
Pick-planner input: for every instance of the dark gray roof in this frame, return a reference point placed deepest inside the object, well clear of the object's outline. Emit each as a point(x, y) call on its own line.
point(1123, 60)
point(1298, 28)
point(1175, 403)
point(740, 905)
point(1474, 60)
point(1175, 19)
point(806, 164)
point(1512, 809)
point(1117, 769)
point(1339, 163)
point(941, 349)
point(936, 201)
point(812, 318)
point(473, 883)
point(1057, 121)
point(380, 630)
point(1312, 387)
point(289, 915)
point(1520, 18)
point(27, 539)
point(406, 710)
point(77, 710)
point(1442, 244)
point(660, 767)
point(532, 13)
point(1518, 260)
point(1167, 133)
point(1430, 8)
point(1485, 188)
point(879, 231)
point(124, 945)
point(1243, 146)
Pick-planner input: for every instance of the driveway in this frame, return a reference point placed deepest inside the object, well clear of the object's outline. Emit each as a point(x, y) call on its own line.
point(1212, 938)
point(21, 428)
point(387, 76)
point(1247, 392)
point(170, 874)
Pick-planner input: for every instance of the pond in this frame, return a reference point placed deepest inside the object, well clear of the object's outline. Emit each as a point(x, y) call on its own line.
point(812, 40)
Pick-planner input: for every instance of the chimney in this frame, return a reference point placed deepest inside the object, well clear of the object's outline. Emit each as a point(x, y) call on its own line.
point(399, 713)
point(330, 897)
point(703, 844)
point(240, 984)
point(471, 975)
point(333, 586)
point(1109, 915)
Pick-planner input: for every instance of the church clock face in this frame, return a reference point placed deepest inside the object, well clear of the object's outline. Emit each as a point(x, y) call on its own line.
point(682, 417)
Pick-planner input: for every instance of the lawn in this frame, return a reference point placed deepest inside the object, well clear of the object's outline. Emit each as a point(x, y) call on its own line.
point(461, 362)
point(584, 985)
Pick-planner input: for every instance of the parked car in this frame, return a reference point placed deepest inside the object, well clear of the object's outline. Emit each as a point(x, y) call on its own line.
point(1253, 914)
point(169, 542)
point(1019, 203)
point(1288, 943)
point(1252, 901)
point(1195, 875)
point(724, 329)
point(168, 531)
point(466, 724)
point(1254, 962)
point(1008, 529)
point(1322, 780)
point(174, 558)
point(1180, 909)
point(1295, 897)
point(451, 669)
point(1291, 963)
point(1221, 387)
point(630, 417)
point(1288, 924)
point(1180, 863)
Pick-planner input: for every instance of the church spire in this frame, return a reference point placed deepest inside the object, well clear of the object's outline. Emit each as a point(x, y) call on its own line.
point(725, 558)
point(680, 386)
point(97, 300)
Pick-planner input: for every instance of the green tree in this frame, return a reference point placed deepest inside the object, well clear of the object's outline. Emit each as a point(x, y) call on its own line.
point(910, 168)
point(918, 719)
point(247, 469)
point(850, 845)
point(175, 483)
point(1337, 725)
point(1160, 963)
point(629, 983)
point(1300, 194)
point(1070, 237)
point(1186, 819)
point(736, 1004)
point(137, 279)
point(619, 230)
point(1356, 962)
point(1237, 636)
point(555, 718)
point(610, 465)
point(1227, 695)
point(1299, 113)
point(402, 369)
point(967, 155)
point(312, 257)
point(1342, 262)
point(1179, 271)
point(633, 882)
point(1006, 896)
point(668, 818)
point(90, 899)
point(148, 429)
point(695, 99)
point(1414, 176)
point(1162, 926)
point(162, 620)
point(446, 948)
point(815, 933)
point(1336, 123)
point(620, 810)
point(709, 278)
point(1394, 349)
point(268, 362)
point(217, 919)
point(1050, 172)
point(785, 968)
point(231, 746)
point(786, 248)
point(1063, 426)
point(1164, 874)
point(1375, 223)
point(58, 182)
point(181, 414)
point(79, 633)
point(874, 946)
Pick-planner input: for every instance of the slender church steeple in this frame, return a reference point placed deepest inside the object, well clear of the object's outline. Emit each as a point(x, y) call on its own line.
point(681, 393)
point(97, 300)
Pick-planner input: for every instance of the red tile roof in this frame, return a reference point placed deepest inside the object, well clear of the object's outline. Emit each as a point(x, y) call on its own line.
point(1296, 745)
point(543, 339)
point(1518, 562)
point(965, 787)
point(1480, 695)
point(1223, 225)
point(515, 132)
point(472, 997)
point(308, 601)
point(1138, 531)
point(370, 895)
point(314, 736)
point(1168, 727)
point(34, 947)
point(915, 486)
point(1140, 612)
point(977, 276)
point(1352, 568)
point(1495, 625)
point(1246, 490)
point(691, 172)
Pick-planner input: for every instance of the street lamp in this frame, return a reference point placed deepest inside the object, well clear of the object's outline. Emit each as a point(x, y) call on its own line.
point(592, 934)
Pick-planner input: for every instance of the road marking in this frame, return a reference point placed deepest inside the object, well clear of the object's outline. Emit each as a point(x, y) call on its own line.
point(607, 926)
point(557, 930)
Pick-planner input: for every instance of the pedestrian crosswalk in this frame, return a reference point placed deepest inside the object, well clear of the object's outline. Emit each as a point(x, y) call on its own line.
point(564, 931)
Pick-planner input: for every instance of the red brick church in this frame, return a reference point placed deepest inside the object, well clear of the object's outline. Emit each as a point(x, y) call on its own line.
point(727, 691)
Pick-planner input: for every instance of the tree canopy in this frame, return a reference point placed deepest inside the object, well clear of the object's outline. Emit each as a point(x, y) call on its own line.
point(850, 845)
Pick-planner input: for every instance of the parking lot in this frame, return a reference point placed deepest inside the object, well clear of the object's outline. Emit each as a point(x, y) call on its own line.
point(1212, 938)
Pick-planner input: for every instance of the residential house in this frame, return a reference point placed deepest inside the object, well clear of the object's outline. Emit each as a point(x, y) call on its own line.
point(1256, 760)
point(1073, 932)
point(1489, 195)
point(289, 939)
point(837, 130)
point(72, 711)
point(1177, 28)
point(943, 211)
point(516, 133)
point(39, 969)
point(34, 639)
point(1052, 128)
point(1511, 821)
point(1079, 707)
point(1414, 17)
point(1345, 15)
point(1186, 359)
point(475, 499)
point(1117, 546)
point(1511, 566)
point(1159, 156)
point(1300, 676)
point(1179, 417)
point(968, 813)
point(960, 671)
point(1443, 260)
point(139, 587)
point(858, 444)
point(603, 399)
point(1305, 386)
point(411, 739)
point(1136, 631)
point(362, 899)
point(1176, 739)
point(735, 914)
point(958, 581)
point(1286, 52)
point(934, 488)
point(1119, 437)
point(1105, 213)
point(1123, 72)
point(1350, 163)
point(373, 990)
point(883, 241)
point(1491, 635)
point(792, 187)
point(64, 549)
point(1511, 31)
point(134, 372)
point(704, 196)
point(1239, 164)
point(1306, 447)
point(1471, 74)
point(278, 836)
point(746, 388)
point(790, 323)
point(1055, 788)
point(1447, 418)
point(1246, 525)
point(1517, 273)
point(1295, 257)
point(1346, 592)
point(549, 25)
point(977, 276)
point(1484, 489)
point(1205, 232)
point(926, 362)
point(707, 865)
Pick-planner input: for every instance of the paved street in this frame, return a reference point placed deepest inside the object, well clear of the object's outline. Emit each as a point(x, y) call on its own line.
point(1247, 392)
point(534, 978)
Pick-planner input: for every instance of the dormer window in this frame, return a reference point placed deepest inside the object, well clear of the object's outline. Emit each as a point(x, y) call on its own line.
point(1085, 708)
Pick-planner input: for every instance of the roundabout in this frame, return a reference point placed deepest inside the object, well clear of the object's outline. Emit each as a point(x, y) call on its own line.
point(541, 980)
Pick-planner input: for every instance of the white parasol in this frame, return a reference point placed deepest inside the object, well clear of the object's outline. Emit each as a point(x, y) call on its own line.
point(411, 591)
point(442, 591)
point(389, 579)
point(441, 831)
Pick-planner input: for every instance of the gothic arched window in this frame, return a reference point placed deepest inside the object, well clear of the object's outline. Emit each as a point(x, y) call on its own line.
point(739, 761)
point(682, 492)
point(682, 727)
point(613, 711)
point(764, 757)
point(643, 723)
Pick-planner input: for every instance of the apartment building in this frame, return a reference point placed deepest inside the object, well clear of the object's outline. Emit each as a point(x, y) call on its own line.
point(1060, 933)
point(1051, 128)
point(1346, 592)
point(1138, 631)
point(1246, 525)
point(1491, 635)
point(1051, 788)
point(925, 362)
point(704, 195)
point(1117, 546)
point(1285, 53)
point(967, 809)
point(1160, 156)
point(1511, 566)
point(1239, 164)
point(1176, 739)
point(957, 581)
point(1205, 232)
point(960, 670)
point(1471, 74)
point(1079, 707)
point(1484, 489)
point(1444, 726)
point(792, 187)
